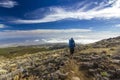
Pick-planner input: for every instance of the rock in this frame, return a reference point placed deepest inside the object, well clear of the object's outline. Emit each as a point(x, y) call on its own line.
point(111, 71)
point(86, 65)
point(60, 75)
point(91, 72)
point(115, 61)
point(116, 57)
point(116, 75)
point(75, 78)
point(105, 78)
point(3, 71)
point(85, 59)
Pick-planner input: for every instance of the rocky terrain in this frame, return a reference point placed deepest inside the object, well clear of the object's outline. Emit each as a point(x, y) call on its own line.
point(38, 65)
point(88, 63)
point(107, 42)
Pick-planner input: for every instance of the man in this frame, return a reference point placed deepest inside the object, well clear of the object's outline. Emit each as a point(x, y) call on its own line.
point(71, 46)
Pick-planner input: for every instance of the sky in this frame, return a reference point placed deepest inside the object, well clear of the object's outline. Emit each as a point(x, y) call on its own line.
point(31, 22)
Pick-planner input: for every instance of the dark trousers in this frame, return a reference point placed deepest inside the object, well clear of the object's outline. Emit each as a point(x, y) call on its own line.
point(71, 51)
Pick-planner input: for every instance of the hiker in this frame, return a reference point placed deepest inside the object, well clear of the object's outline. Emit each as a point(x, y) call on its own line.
point(71, 46)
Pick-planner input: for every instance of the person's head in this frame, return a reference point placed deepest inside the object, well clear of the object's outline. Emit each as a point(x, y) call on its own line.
point(71, 38)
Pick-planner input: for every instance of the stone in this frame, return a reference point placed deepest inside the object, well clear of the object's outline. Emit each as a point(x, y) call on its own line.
point(115, 61)
point(75, 78)
point(87, 65)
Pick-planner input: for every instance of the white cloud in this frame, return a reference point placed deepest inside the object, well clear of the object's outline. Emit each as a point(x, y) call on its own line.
point(2, 26)
point(58, 40)
point(54, 40)
point(84, 38)
point(99, 12)
point(118, 25)
point(41, 33)
point(8, 3)
point(38, 31)
point(37, 40)
point(54, 36)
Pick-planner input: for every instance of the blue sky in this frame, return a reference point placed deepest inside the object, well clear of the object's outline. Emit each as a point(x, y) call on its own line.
point(26, 22)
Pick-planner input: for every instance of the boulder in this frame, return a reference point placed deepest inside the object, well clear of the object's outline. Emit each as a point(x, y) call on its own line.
point(115, 61)
point(86, 65)
point(75, 78)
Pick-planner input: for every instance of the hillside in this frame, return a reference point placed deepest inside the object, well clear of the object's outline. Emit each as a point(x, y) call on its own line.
point(46, 62)
point(111, 42)
point(11, 52)
point(108, 46)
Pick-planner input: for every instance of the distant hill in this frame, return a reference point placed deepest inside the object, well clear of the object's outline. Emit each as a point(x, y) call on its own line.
point(11, 52)
point(105, 43)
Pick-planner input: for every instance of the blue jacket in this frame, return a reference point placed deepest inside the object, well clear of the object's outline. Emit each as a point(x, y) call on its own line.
point(71, 43)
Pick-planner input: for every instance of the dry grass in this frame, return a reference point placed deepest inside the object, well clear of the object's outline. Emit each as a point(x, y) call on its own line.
point(99, 50)
point(17, 77)
point(117, 51)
